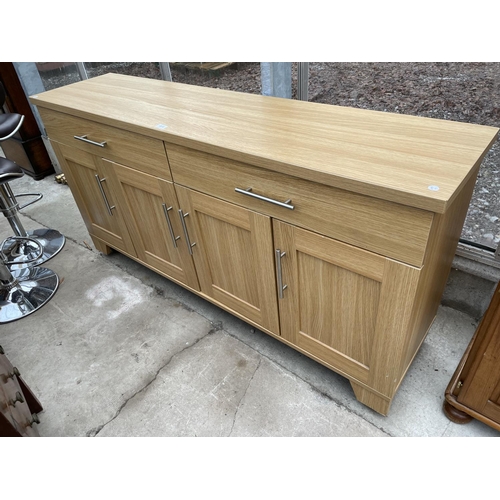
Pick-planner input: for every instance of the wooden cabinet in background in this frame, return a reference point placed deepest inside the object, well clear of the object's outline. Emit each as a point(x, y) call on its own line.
point(331, 229)
point(474, 390)
point(26, 147)
point(18, 405)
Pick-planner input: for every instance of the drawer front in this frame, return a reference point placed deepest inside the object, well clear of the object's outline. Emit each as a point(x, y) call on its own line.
point(18, 413)
point(387, 228)
point(138, 151)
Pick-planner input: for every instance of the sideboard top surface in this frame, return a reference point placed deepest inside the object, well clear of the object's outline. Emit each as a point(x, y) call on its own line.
point(416, 161)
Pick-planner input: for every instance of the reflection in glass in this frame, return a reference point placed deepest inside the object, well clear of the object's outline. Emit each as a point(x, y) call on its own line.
point(57, 74)
point(142, 69)
point(459, 91)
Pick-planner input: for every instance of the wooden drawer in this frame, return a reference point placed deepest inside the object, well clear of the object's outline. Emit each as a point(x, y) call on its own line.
point(18, 415)
point(138, 151)
point(387, 228)
point(15, 420)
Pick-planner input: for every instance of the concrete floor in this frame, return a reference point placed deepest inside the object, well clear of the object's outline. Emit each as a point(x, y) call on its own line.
point(121, 351)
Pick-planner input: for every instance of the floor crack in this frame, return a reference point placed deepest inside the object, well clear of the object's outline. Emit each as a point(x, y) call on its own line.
point(96, 430)
point(83, 244)
point(243, 397)
point(314, 388)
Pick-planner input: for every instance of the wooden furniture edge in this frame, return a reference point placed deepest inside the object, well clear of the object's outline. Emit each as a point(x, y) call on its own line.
point(371, 189)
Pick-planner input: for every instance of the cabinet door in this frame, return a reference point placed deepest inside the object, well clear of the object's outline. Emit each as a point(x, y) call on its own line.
point(89, 179)
point(345, 306)
point(233, 252)
point(151, 214)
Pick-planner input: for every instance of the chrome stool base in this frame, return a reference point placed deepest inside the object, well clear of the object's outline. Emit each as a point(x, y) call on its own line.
point(29, 290)
point(18, 251)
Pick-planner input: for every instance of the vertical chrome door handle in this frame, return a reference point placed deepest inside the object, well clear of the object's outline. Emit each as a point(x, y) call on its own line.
point(99, 183)
point(281, 287)
point(190, 245)
point(169, 224)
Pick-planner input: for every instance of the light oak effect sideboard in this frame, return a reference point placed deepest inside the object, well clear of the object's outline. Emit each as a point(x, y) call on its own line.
point(331, 229)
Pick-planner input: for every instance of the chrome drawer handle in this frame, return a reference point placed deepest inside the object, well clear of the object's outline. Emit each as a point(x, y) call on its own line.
point(88, 141)
point(99, 183)
point(248, 192)
point(281, 287)
point(169, 224)
point(186, 235)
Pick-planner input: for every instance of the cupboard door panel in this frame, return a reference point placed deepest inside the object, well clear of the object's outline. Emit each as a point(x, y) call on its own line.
point(331, 295)
point(81, 169)
point(151, 211)
point(234, 257)
point(343, 305)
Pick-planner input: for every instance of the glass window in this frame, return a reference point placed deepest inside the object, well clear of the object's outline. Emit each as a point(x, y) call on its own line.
point(466, 92)
point(57, 74)
point(142, 69)
point(240, 77)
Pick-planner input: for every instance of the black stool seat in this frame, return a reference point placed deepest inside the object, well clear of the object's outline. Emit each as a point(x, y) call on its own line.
point(9, 170)
point(9, 124)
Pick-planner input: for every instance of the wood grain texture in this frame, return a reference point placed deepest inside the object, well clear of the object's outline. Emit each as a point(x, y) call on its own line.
point(366, 251)
point(381, 404)
point(80, 169)
point(384, 155)
point(443, 240)
point(346, 306)
point(143, 153)
point(481, 374)
point(474, 389)
point(380, 226)
point(141, 198)
point(233, 256)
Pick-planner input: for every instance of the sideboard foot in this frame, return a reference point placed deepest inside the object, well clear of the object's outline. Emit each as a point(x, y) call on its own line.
point(372, 400)
point(102, 247)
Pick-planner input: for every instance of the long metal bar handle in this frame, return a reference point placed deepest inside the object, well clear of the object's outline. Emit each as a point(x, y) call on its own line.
point(281, 287)
point(248, 192)
point(186, 235)
point(88, 141)
point(99, 183)
point(169, 224)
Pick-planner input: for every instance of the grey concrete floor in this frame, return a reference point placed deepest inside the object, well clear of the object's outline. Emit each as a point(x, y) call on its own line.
point(122, 351)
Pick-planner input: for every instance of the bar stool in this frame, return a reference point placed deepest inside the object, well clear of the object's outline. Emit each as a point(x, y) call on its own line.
point(20, 249)
point(24, 291)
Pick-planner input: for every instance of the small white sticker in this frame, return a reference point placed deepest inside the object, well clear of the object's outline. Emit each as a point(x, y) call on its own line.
point(161, 126)
point(433, 188)
point(34, 96)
